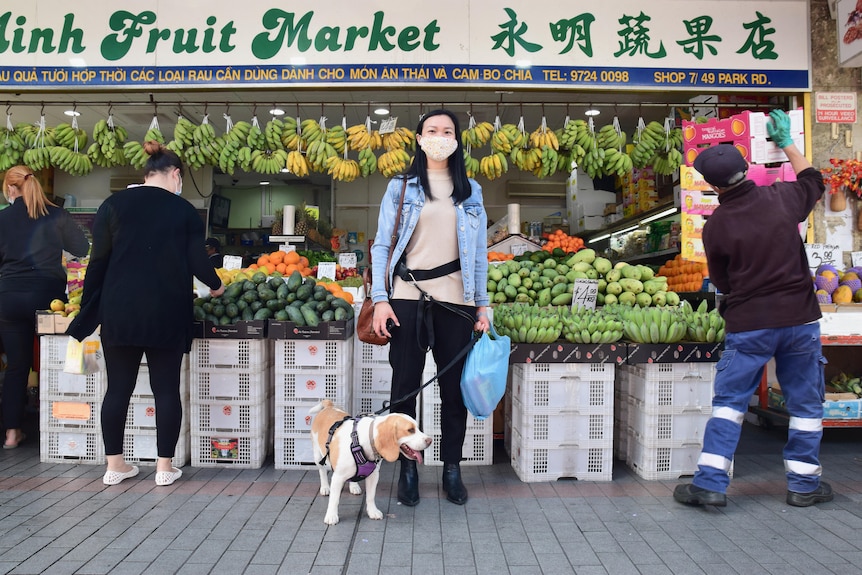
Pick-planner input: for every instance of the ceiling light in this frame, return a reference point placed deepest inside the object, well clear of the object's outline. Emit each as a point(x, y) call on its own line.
point(659, 215)
point(592, 112)
point(277, 112)
point(626, 230)
point(285, 171)
point(72, 113)
point(381, 111)
point(599, 238)
point(264, 183)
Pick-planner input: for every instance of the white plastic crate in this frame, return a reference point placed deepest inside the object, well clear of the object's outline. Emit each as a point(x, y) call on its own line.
point(672, 384)
point(230, 384)
point(219, 417)
point(582, 386)
point(432, 417)
point(142, 414)
point(293, 418)
point(245, 354)
point(369, 355)
point(662, 462)
point(565, 427)
point(313, 385)
point(139, 447)
point(183, 366)
point(75, 415)
point(535, 461)
point(52, 351)
point(372, 380)
point(57, 384)
point(56, 446)
point(368, 403)
point(292, 355)
point(240, 450)
point(621, 439)
point(478, 448)
point(293, 451)
point(667, 427)
point(144, 391)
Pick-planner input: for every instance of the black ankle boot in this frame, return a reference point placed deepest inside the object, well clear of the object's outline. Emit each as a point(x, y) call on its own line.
point(452, 484)
point(408, 482)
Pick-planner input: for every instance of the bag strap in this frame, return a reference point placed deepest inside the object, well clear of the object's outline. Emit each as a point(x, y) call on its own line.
point(394, 238)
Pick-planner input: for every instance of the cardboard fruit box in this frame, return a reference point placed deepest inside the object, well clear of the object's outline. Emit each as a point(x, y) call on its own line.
point(331, 330)
point(243, 329)
point(564, 352)
point(743, 126)
point(681, 352)
point(51, 323)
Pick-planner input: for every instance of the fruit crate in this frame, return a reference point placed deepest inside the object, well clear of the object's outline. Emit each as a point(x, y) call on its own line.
point(672, 384)
point(667, 426)
point(292, 418)
point(654, 463)
point(564, 426)
point(230, 385)
point(297, 355)
point(57, 384)
point(229, 417)
point(63, 415)
point(313, 385)
point(237, 450)
point(139, 448)
point(586, 387)
point(432, 416)
point(184, 366)
point(535, 461)
point(239, 354)
point(143, 390)
point(293, 451)
point(52, 351)
point(141, 415)
point(71, 446)
point(368, 355)
point(478, 448)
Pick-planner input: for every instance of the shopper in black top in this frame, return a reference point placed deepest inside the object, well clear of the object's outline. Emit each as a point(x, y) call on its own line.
point(33, 234)
point(213, 247)
point(145, 309)
point(757, 261)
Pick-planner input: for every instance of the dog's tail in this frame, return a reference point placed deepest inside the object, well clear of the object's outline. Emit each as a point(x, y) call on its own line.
point(324, 404)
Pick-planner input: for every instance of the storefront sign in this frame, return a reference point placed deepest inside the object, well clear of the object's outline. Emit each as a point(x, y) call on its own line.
point(668, 44)
point(836, 107)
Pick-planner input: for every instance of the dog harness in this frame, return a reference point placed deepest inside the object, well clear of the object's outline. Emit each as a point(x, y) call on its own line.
point(364, 467)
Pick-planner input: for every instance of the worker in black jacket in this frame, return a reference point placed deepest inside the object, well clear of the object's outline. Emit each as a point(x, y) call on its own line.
point(757, 260)
point(33, 234)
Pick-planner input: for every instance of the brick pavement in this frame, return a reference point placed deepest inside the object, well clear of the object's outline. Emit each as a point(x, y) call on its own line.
point(60, 519)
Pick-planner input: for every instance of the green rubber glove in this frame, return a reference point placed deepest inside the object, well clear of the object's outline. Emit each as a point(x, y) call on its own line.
point(778, 128)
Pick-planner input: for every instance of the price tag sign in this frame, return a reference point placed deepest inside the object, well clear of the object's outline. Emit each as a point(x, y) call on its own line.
point(287, 248)
point(819, 254)
point(326, 270)
point(855, 259)
point(519, 249)
point(347, 260)
point(232, 262)
point(585, 293)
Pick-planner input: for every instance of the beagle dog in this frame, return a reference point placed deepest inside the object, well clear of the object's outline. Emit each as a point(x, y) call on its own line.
point(352, 447)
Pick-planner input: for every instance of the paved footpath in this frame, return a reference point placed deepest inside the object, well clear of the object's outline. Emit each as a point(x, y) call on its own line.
point(60, 519)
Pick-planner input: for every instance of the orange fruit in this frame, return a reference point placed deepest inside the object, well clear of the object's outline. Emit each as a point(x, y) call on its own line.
point(263, 260)
point(291, 258)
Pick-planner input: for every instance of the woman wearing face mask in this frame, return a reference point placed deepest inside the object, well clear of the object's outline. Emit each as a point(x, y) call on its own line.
point(33, 234)
point(441, 237)
point(147, 245)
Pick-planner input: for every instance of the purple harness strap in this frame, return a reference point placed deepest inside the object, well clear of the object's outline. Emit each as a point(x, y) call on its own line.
point(364, 467)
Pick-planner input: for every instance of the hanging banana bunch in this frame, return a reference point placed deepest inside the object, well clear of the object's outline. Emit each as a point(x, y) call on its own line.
point(393, 162)
point(594, 155)
point(616, 162)
point(340, 167)
point(36, 156)
point(367, 158)
point(11, 146)
point(545, 141)
point(297, 164)
point(358, 136)
point(668, 153)
point(233, 140)
point(647, 139)
point(269, 162)
point(470, 163)
point(108, 141)
point(336, 137)
point(208, 143)
point(70, 153)
point(310, 131)
point(290, 133)
point(272, 133)
point(320, 150)
point(399, 138)
point(477, 134)
point(134, 150)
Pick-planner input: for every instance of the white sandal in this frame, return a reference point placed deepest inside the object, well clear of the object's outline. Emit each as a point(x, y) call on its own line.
point(168, 477)
point(115, 477)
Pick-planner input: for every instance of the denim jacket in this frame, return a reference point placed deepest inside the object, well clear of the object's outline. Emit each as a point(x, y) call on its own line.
point(472, 238)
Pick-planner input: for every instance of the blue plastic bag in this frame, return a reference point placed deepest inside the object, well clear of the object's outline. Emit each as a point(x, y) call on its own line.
point(483, 381)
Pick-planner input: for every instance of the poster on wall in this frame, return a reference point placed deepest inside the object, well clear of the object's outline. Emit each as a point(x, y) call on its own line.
point(848, 18)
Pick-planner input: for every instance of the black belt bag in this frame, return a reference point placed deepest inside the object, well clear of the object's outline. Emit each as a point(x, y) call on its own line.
point(408, 275)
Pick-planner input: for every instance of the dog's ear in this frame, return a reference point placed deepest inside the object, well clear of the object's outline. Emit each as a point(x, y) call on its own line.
point(387, 436)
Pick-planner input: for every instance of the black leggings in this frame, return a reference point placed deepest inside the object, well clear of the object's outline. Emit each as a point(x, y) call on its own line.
point(122, 363)
point(17, 331)
point(452, 334)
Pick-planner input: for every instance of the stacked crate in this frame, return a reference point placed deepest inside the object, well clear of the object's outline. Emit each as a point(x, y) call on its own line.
point(307, 371)
point(562, 421)
point(231, 402)
point(139, 440)
point(668, 407)
point(621, 413)
point(70, 423)
point(372, 377)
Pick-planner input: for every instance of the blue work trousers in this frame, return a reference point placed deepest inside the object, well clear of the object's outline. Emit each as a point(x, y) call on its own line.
point(799, 364)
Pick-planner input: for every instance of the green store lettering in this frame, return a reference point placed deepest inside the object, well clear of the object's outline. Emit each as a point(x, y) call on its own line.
point(130, 26)
point(286, 30)
point(635, 36)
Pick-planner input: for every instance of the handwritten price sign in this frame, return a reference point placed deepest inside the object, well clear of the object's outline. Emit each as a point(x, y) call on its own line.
point(819, 254)
point(585, 293)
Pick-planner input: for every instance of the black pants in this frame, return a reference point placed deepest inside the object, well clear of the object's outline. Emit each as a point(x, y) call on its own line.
point(17, 331)
point(452, 333)
point(122, 364)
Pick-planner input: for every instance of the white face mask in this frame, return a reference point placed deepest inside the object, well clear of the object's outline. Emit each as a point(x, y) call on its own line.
point(438, 148)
